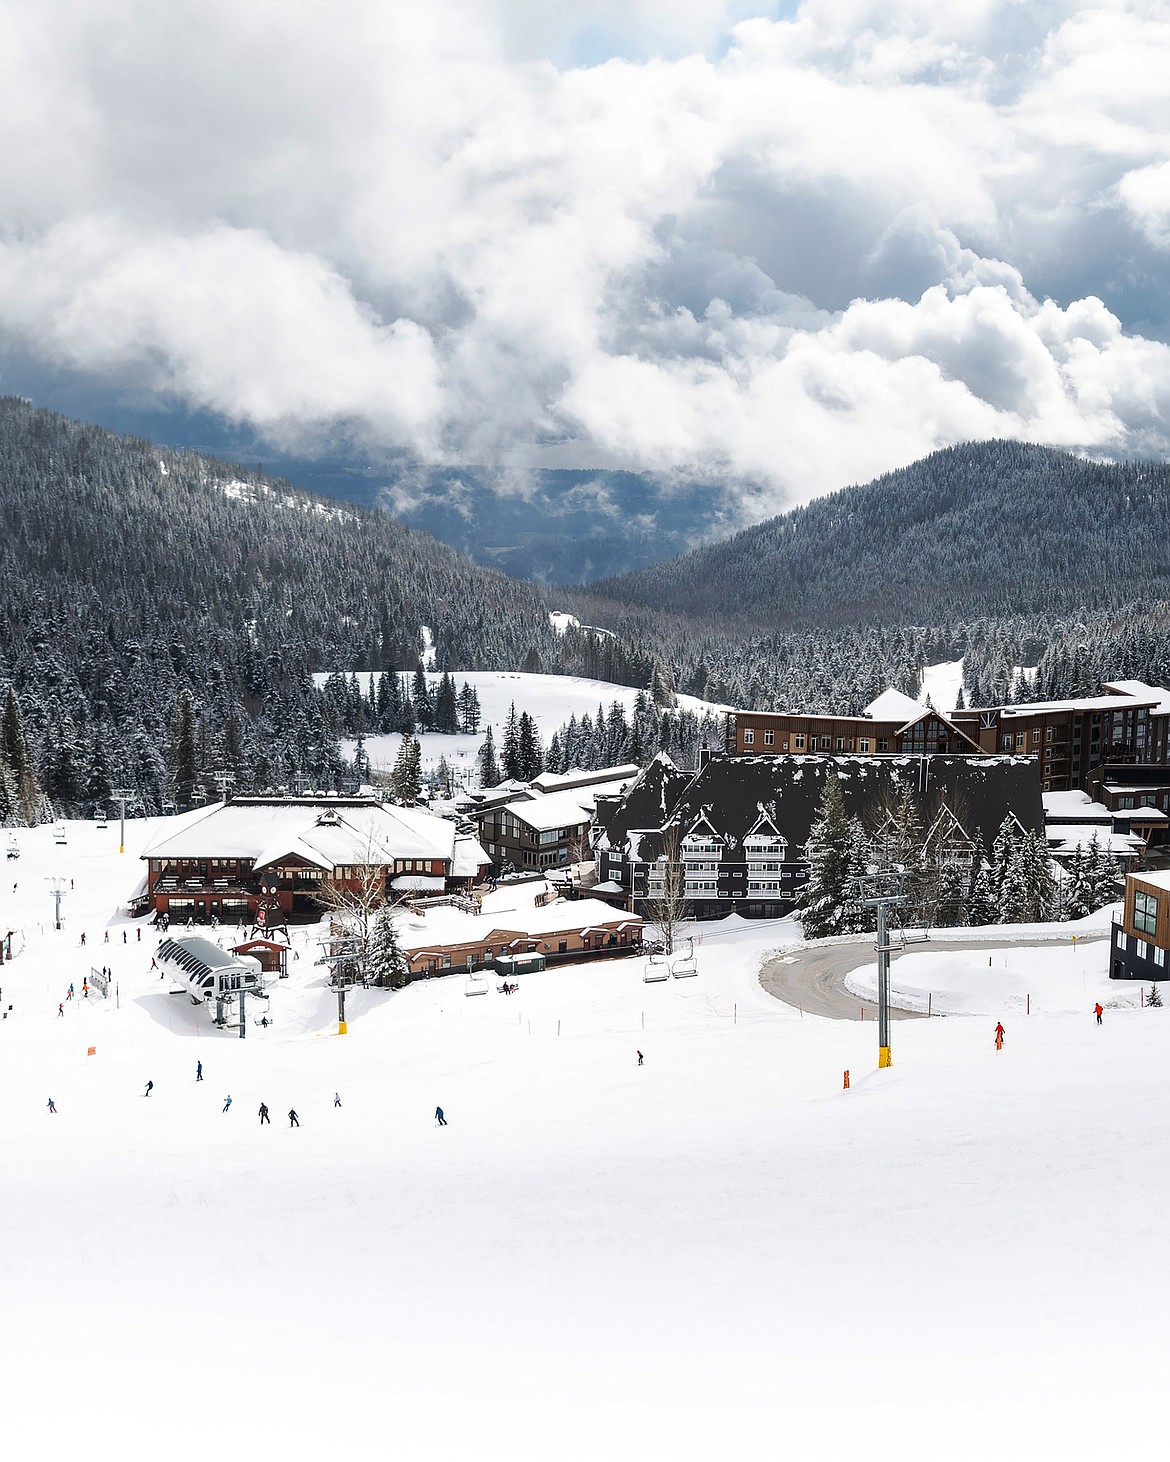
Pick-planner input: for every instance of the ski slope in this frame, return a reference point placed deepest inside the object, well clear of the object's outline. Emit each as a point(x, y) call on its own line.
point(549, 699)
point(719, 1254)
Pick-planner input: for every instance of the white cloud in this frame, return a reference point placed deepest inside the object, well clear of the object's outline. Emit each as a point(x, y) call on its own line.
point(791, 249)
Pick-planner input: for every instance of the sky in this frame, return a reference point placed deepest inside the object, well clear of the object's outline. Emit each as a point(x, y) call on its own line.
point(791, 246)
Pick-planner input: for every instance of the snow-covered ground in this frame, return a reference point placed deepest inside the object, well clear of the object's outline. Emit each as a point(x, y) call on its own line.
point(549, 699)
point(718, 1254)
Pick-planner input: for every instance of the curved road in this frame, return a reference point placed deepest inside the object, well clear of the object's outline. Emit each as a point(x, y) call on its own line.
point(814, 979)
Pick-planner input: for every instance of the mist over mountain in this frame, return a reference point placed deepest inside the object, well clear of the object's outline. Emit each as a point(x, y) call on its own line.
point(994, 529)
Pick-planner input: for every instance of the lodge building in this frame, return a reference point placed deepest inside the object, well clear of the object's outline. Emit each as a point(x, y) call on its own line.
point(1140, 942)
point(263, 859)
point(740, 825)
point(1075, 744)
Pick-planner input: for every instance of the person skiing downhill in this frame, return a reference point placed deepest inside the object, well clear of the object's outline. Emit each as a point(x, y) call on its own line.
point(149, 1088)
point(1098, 1011)
point(439, 1118)
point(52, 1105)
point(199, 1071)
point(336, 1099)
point(264, 1117)
point(641, 1058)
point(293, 1119)
point(60, 1009)
point(227, 1101)
point(999, 1035)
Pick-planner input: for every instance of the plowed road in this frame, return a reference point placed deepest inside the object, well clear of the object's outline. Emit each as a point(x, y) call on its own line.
point(814, 979)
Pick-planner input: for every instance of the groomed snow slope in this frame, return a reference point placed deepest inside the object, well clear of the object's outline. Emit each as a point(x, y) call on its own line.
point(719, 1254)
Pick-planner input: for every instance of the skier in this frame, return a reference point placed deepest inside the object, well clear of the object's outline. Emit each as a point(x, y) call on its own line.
point(641, 1058)
point(60, 1009)
point(199, 1071)
point(85, 989)
point(139, 934)
point(107, 938)
point(999, 1035)
point(149, 1088)
point(293, 1119)
point(83, 936)
point(227, 1101)
point(336, 1099)
point(439, 1118)
point(123, 936)
point(1098, 1012)
point(52, 1105)
point(264, 1115)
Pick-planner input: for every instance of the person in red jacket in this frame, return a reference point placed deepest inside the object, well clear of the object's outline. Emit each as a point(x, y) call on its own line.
point(1098, 1012)
point(999, 1035)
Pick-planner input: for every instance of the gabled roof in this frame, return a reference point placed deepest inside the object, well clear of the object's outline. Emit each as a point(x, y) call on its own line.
point(645, 804)
point(321, 834)
point(733, 791)
point(892, 705)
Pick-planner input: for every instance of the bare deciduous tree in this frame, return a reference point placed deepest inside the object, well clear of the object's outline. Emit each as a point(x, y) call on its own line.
point(666, 905)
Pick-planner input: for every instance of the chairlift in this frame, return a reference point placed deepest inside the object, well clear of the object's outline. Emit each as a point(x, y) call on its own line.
point(476, 985)
point(59, 834)
point(101, 823)
point(656, 968)
point(13, 847)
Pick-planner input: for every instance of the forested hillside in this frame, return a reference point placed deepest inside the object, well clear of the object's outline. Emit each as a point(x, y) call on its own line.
point(163, 611)
point(984, 530)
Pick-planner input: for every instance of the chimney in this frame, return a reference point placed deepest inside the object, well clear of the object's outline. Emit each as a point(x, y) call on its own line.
point(704, 754)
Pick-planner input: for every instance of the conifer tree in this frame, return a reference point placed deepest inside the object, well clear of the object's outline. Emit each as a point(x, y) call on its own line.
point(386, 964)
point(835, 861)
point(488, 762)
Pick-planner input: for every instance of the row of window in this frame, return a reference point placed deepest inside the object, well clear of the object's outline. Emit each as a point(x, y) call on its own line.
point(801, 742)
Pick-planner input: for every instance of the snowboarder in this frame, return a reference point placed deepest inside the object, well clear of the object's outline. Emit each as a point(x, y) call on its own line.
point(439, 1118)
point(1098, 1012)
point(227, 1101)
point(336, 1099)
point(52, 1105)
point(264, 1117)
point(149, 1088)
point(293, 1119)
point(999, 1035)
point(199, 1071)
point(641, 1058)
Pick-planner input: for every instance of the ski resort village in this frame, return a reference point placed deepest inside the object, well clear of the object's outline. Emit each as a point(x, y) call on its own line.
point(659, 1106)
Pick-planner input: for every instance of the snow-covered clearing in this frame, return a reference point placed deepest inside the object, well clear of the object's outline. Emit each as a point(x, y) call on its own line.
point(549, 699)
point(719, 1254)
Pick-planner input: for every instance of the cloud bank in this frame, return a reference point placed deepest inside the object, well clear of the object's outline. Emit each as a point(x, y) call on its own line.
point(784, 246)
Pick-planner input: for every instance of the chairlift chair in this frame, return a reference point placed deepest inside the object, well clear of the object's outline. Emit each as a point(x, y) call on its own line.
point(59, 835)
point(13, 846)
point(656, 968)
point(476, 985)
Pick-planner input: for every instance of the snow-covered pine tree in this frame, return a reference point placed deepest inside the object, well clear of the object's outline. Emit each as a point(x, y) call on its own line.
point(836, 860)
point(386, 965)
point(406, 778)
point(487, 761)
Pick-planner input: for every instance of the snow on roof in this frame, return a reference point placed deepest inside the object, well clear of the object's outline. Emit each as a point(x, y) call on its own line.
point(504, 916)
point(323, 834)
point(892, 705)
point(564, 781)
point(553, 810)
point(1068, 839)
point(470, 858)
point(1139, 690)
point(1161, 879)
point(1074, 804)
point(418, 883)
point(1141, 695)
